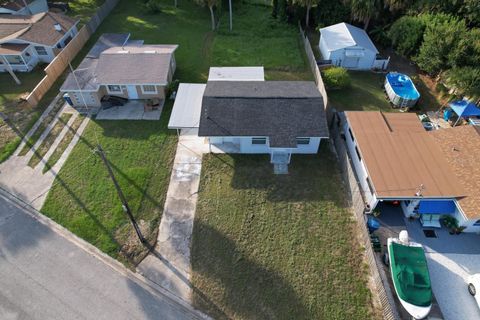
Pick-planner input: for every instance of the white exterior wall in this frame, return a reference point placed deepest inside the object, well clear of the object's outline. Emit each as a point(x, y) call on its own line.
point(31, 61)
point(360, 169)
point(246, 146)
point(323, 49)
point(464, 222)
point(366, 62)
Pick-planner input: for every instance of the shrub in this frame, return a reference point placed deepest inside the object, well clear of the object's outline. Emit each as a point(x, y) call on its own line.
point(153, 6)
point(336, 78)
point(406, 35)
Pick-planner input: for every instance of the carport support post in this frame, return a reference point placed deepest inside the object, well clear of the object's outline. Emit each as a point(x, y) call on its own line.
point(10, 70)
point(125, 206)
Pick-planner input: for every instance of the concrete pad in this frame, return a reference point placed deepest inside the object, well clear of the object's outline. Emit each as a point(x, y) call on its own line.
point(133, 110)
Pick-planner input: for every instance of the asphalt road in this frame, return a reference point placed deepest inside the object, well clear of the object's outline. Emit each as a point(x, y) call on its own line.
point(45, 276)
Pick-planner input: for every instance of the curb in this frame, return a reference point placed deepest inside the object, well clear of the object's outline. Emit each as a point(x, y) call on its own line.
point(145, 283)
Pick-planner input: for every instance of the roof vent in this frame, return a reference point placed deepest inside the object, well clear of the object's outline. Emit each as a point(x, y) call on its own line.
point(57, 27)
point(455, 149)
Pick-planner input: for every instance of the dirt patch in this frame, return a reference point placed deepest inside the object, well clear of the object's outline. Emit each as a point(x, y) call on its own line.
point(132, 250)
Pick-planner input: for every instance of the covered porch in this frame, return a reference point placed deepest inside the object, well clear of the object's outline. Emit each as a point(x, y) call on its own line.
point(132, 110)
point(18, 57)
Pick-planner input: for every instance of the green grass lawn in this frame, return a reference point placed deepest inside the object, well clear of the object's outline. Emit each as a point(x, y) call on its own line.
point(84, 200)
point(21, 115)
point(42, 150)
point(276, 247)
point(364, 94)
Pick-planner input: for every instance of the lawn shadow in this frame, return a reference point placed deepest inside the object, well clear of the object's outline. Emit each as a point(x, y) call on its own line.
point(309, 179)
point(228, 284)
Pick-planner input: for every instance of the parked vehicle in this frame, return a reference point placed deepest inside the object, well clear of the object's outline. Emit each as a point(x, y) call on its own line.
point(474, 285)
point(112, 101)
point(411, 279)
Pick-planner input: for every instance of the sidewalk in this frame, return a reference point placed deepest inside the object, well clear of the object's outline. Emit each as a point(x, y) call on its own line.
point(169, 264)
point(31, 184)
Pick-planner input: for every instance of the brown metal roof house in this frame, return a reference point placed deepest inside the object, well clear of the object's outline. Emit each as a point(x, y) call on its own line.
point(395, 158)
point(120, 67)
point(26, 40)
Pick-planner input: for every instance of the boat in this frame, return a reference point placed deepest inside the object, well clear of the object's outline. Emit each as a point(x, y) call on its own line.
point(411, 279)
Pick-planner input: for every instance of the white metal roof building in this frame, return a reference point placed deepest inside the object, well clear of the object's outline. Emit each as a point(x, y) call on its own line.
point(347, 46)
point(188, 101)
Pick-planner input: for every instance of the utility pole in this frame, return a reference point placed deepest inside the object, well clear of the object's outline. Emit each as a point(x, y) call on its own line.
point(125, 206)
point(230, 13)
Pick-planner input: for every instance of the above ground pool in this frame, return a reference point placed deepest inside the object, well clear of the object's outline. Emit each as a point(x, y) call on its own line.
point(400, 90)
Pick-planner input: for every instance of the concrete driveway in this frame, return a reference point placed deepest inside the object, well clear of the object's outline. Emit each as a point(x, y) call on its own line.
point(451, 259)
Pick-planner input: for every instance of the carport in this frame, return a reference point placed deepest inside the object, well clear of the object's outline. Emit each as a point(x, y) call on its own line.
point(187, 107)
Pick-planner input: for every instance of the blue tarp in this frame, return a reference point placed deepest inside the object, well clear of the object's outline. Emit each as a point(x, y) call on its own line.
point(464, 108)
point(437, 206)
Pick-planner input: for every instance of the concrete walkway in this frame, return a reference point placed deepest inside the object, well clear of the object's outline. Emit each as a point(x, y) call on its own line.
point(169, 264)
point(31, 184)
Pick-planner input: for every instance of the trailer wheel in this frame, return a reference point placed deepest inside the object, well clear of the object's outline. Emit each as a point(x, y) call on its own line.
point(386, 259)
point(471, 289)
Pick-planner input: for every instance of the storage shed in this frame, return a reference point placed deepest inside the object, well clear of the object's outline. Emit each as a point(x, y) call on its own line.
point(349, 47)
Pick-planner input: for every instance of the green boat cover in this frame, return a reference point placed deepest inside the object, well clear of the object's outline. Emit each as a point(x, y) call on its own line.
point(410, 274)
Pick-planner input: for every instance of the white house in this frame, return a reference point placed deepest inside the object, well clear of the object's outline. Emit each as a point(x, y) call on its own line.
point(18, 7)
point(117, 66)
point(349, 47)
point(395, 159)
point(279, 118)
point(28, 40)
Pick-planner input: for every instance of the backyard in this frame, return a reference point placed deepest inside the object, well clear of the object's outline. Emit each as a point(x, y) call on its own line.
point(83, 197)
point(277, 247)
point(366, 89)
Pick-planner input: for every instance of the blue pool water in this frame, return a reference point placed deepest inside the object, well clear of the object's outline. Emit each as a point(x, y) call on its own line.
point(403, 86)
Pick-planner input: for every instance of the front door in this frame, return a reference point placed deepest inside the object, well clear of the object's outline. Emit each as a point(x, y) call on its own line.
point(132, 92)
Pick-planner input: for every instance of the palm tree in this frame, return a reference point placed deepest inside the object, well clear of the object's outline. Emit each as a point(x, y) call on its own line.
point(363, 10)
point(308, 4)
point(210, 4)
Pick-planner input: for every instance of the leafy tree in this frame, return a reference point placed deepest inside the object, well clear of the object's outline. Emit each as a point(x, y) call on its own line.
point(398, 5)
point(210, 4)
point(308, 4)
point(406, 35)
point(466, 80)
point(439, 41)
point(363, 10)
point(331, 12)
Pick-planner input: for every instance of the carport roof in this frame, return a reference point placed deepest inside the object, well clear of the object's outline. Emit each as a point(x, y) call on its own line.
point(187, 106)
point(401, 158)
point(461, 148)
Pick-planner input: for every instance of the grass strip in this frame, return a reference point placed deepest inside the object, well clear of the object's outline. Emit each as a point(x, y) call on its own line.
point(49, 140)
point(63, 144)
point(41, 128)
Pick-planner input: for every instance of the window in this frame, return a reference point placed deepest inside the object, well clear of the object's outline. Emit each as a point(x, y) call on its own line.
point(351, 134)
point(303, 140)
point(358, 153)
point(67, 40)
point(259, 140)
point(41, 51)
point(14, 59)
point(477, 223)
point(114, 89)
point(149, 89)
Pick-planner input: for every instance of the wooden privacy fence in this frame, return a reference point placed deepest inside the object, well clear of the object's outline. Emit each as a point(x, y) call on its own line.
point(312, 61)
point(61, 61)
point(355, 198)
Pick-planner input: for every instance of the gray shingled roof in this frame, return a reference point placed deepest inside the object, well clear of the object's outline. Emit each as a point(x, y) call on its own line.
point(85, 72)
point(280, 110)
point(133, 68)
